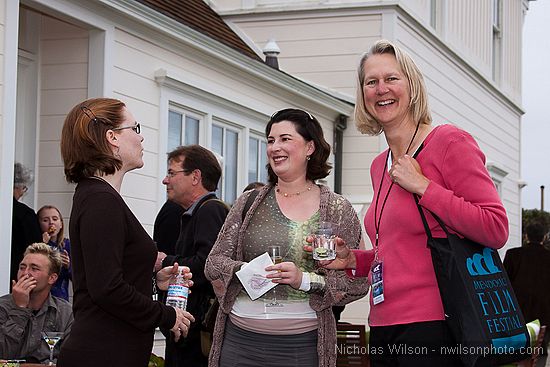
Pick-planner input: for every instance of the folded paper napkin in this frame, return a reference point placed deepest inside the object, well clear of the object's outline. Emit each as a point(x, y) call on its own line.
point(252, 276)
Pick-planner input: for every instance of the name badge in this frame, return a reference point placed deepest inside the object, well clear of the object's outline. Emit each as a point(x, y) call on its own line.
point(377, 282)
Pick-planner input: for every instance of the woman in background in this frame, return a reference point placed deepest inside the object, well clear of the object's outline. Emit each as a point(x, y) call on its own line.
point(52, 227)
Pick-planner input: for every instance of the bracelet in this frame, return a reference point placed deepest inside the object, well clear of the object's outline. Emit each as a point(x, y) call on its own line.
point(317, 283)
point(306, 283)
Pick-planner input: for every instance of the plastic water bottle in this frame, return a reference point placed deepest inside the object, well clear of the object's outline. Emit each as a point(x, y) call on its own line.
point(178, 290)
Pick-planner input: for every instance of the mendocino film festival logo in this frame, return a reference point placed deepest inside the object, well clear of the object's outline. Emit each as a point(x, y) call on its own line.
point(498, 307)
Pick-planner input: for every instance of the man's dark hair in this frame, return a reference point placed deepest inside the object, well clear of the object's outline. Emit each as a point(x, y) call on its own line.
point(194, 157)
point(535, 232)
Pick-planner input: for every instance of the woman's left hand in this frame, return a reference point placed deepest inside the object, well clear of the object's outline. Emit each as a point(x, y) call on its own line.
point(286, 273)
point(164, 275)
point(406, 172)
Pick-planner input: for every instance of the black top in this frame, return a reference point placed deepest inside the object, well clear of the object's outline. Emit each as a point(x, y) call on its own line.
point(25, 231)
point(167, 227)
point(528, 268)
point(112, 262)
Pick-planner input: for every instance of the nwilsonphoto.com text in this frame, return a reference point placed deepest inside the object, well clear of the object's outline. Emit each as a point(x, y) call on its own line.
point(404, 349)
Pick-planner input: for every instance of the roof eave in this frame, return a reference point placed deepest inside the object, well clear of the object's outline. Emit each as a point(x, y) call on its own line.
point(218, 50)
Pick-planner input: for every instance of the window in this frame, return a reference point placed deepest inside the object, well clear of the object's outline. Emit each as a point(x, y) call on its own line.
point(497, 40)
point(194, 116)
point(257, 160)
point(183, 129)
point(225, 142)
point(498, 173)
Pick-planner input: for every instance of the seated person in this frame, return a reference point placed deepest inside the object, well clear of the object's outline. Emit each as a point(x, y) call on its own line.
point(31, 309)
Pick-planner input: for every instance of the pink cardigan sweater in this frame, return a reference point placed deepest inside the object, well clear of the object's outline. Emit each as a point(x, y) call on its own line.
point(461, 193)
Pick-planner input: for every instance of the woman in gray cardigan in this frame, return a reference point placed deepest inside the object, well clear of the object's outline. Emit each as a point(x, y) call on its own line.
point(298, 329)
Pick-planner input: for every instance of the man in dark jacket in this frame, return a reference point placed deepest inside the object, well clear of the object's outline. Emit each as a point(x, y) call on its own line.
point(25, 228)
point(167, 227)
point(528, 268)
point(191, 182)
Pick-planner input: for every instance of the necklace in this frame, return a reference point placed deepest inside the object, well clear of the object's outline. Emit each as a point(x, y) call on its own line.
point(287, 195)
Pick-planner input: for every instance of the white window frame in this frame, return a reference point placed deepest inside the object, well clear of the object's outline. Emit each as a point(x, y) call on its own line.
point(496, 56)
point(213, 110)
point(259, 168)
point(228, 126)
point(498, 174)
point(187, 112)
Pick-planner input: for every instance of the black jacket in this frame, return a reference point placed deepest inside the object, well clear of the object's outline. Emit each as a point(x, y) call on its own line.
point(25, 231)
point(528, 268)
point(198, 233)
point(167, 227)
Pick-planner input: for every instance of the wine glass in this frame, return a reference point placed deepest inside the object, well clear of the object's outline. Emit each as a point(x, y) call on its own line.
point(275, 254)
point(51, 338)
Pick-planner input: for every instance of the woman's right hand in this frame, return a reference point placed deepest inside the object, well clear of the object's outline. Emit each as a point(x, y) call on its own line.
point(345, 258)
point(183, 322)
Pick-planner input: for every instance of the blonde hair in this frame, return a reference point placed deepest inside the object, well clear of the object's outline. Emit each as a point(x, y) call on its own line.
point(418, 104)
point(46, 250)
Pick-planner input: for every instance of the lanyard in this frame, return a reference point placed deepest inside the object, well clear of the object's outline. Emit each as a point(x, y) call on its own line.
point(377, 222)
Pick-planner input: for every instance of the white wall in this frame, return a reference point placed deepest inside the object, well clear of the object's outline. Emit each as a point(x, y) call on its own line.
point(9, 16)
point(63, 83)
point(460, 97)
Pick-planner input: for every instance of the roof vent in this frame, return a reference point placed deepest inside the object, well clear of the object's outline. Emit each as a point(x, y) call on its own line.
point(271, 51)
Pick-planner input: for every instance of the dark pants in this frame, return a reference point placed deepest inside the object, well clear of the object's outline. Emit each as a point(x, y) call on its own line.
point(186, 352)
point(417, 344)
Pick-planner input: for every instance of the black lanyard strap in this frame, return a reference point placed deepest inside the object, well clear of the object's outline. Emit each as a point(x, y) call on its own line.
point(377, 222)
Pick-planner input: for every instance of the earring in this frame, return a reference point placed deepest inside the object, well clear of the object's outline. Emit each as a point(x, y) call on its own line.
point(308, 157)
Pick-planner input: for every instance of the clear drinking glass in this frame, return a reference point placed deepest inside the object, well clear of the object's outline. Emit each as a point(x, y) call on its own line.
point(275, 254)
point(51, 338)
point(323, 242)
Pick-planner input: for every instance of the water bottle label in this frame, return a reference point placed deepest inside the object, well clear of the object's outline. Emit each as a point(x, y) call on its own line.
point(177, 291)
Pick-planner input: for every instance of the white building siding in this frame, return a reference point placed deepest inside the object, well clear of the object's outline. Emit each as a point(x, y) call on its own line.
point(511, 50)
point(2, 51)
point(6, 180)
point(469, 30)
point(311, 48)
point(63, 83)
point(459, 97)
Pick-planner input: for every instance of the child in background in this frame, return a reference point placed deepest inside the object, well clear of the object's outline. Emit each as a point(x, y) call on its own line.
point(51, 224)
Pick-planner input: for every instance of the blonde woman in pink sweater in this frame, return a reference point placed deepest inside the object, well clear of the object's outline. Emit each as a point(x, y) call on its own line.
point(445, 167)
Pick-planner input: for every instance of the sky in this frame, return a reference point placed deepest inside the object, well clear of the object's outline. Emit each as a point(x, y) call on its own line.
point(535, 125)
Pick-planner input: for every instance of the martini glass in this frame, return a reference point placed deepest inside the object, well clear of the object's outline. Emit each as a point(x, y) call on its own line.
point(51, 338)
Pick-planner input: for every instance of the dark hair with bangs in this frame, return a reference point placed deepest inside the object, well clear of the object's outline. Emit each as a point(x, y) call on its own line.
point(309, 128)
